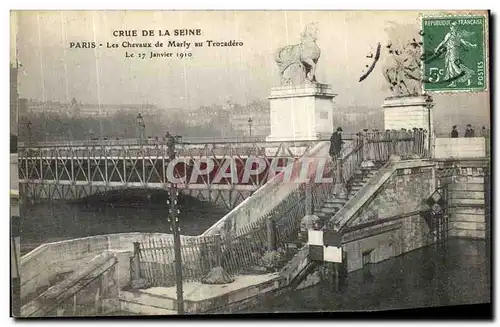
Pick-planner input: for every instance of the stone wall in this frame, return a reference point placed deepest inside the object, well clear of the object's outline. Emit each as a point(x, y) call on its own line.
point(466, 198)
point(406, 191)
point(459, 148)
point(387, 218)
point(385, 239)
point(41, 266)
point(92, 289)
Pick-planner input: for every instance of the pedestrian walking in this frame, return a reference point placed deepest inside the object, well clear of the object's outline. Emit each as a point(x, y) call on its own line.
point(336, 144)
point(454, 132)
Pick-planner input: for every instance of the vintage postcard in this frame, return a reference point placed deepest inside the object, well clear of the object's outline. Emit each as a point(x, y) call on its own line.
point(194, 162)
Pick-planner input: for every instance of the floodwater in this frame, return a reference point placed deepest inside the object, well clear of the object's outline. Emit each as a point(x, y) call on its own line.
point(55, 221)
point(454, 273)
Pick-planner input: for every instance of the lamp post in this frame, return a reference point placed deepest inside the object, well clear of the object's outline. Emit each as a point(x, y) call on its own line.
point(250, 126)
point(141, 127)
point(29, 132)
point(175, 227)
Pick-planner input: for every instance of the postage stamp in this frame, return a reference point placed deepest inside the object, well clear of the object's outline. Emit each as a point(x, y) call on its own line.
point(454, 57)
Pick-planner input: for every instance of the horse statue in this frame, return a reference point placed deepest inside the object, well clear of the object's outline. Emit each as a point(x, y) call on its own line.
point(404, 73)
point(297, 63)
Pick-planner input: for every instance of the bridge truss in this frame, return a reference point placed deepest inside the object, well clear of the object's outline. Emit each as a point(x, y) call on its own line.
point(78, 170)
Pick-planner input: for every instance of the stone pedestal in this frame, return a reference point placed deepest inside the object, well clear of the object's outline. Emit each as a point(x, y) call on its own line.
point(301, 112)
point(408, 112)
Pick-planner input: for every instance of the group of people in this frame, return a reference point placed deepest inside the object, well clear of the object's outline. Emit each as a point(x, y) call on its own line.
point(336, 138)
point(469, 132)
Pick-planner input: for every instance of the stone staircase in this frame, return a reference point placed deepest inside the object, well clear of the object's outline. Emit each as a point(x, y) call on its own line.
point(335, 203)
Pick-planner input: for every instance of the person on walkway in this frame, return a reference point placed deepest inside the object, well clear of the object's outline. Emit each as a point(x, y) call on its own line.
point(336, 144)
point(469, 132)
point(454, 132)
point(170, 145)
point(484, 133)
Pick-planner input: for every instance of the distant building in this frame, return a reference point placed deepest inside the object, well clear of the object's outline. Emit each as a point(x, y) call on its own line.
point(84, 110)
point(14, 100)
point(48, 107)
point(207, 115)
point(260, 120)
point(353, 120)
point(22, 110)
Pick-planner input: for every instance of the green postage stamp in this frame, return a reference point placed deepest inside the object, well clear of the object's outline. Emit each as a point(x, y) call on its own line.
point(454, 57)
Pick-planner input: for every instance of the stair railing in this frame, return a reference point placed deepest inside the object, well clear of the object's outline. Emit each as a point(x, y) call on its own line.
point(352, 160)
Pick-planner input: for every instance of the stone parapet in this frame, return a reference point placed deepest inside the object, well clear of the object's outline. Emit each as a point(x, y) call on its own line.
point(301, 112)
point(316, 89)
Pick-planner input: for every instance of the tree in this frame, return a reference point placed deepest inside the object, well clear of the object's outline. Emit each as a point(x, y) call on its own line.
point(13, 143)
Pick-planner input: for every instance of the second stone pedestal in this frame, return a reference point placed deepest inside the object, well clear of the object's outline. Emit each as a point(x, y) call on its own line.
point(408, 112)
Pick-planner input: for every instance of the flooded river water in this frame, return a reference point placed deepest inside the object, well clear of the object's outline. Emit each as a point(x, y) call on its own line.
point(48, 222)
point(454, 273)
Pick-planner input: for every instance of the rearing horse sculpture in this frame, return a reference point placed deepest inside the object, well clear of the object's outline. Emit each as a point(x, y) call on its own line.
point(305, 54)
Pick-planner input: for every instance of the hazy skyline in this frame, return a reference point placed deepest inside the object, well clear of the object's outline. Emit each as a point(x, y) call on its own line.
point(53, 71)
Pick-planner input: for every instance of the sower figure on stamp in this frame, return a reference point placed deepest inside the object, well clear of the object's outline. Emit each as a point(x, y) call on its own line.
point(336, 144)
point(452, 44)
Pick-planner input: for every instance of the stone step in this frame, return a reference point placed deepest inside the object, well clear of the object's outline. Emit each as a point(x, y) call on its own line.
point(334, 204)
point(147, 300)
point(369, 173)
point(321, 214)
point(360, 181)
point(370, 170)
point(337, 199)
point(366, 175)
point(141, 309)
point(330, 210)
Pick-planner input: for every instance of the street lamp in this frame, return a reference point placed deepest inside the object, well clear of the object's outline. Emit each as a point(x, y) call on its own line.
point(29, 131)
point(141, 127)
point(250, 126)
point(175, 226)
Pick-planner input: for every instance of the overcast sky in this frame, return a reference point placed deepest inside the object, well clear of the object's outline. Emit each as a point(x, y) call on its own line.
point(53, 71)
